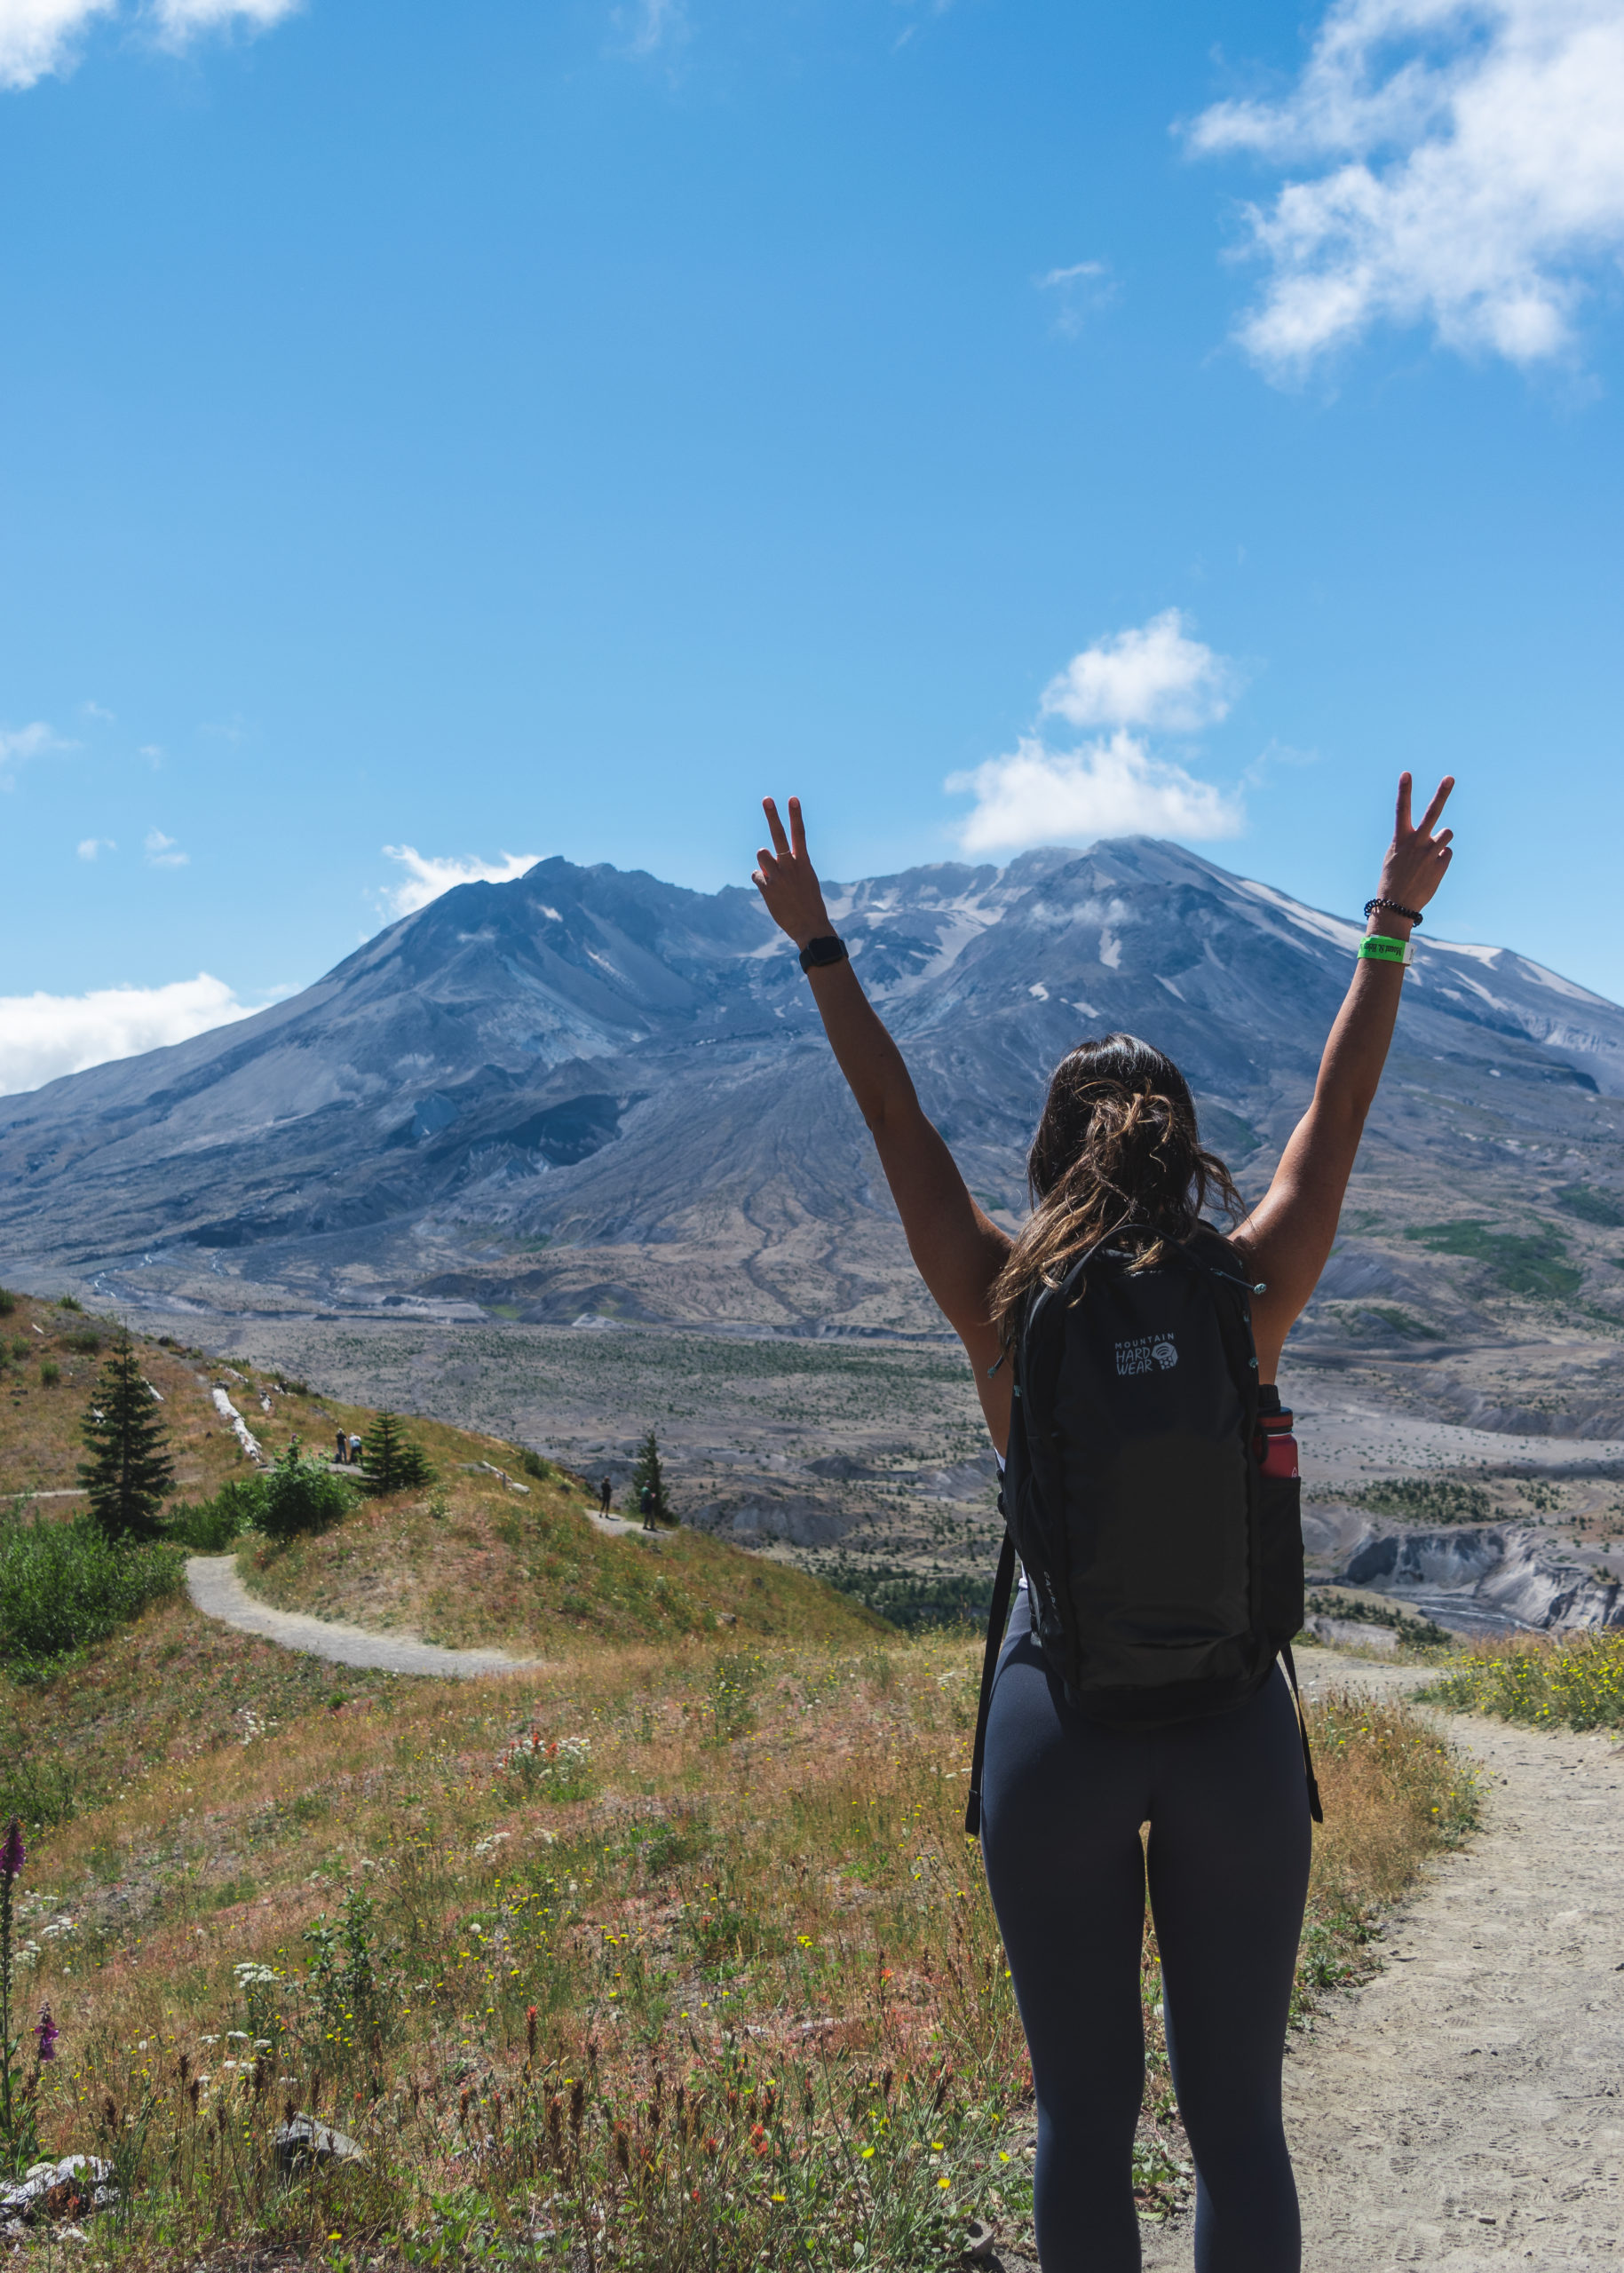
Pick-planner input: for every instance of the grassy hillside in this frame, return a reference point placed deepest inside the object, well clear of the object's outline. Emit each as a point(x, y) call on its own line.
point(674, 1953)
point(477, 1559)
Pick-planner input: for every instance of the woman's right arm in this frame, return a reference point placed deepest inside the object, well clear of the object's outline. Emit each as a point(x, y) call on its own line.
point(958, 1250)
point(1289, 1236)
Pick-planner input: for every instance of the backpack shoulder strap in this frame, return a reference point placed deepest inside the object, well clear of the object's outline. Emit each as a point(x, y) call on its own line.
point(997, 1617)
point(1314, 1807)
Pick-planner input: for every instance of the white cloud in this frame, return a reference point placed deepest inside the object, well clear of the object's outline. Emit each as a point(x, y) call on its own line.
point(1037, 796)
point(651, 25)
point(18, 744)
point(41, 36)
point(100, 712)
point(161, 851)
point(91, 846)
point(1471, 157)
point(179, 20)
point(426, 878)
point(38, 38)
point(1153, 676)
point(42, 1036)
point(1086, 285)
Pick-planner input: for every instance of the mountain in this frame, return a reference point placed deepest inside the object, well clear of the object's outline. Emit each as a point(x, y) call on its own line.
point(588, 1091)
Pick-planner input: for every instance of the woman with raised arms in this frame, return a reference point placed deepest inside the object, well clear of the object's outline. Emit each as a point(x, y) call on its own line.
point(1124, 1353)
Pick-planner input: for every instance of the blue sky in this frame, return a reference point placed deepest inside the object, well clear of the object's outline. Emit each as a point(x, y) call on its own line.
point(516, 428)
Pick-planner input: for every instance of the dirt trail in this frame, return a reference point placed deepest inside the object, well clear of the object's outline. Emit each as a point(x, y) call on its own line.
point(218, 1592)
point(1468, 2103)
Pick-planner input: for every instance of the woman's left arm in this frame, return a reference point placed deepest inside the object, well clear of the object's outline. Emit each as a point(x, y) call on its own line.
point(1287, 1237)
point(958, 1250)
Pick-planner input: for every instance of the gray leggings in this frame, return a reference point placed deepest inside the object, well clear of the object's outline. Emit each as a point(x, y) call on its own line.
point(1062, 1802)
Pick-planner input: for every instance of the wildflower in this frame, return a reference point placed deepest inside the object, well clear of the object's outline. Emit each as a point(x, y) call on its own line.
point(46, 2032)
point(14, 1854)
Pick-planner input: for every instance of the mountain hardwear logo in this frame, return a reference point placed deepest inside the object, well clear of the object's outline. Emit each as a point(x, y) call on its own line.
point(1146, 1353)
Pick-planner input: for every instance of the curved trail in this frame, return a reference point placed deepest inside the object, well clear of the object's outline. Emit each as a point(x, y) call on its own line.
point(1467, 2105)
point(217, 1591)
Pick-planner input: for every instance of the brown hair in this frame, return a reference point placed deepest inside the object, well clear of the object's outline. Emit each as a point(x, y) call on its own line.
point(1117, 1149)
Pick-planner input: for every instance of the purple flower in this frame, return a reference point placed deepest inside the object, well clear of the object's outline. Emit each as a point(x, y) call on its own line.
point(14, 1854)
point(46, 2032)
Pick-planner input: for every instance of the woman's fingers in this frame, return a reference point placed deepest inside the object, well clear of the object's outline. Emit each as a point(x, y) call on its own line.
point(1401, 819)
point(1440, 798)
point(797, 829)
point(780, 842)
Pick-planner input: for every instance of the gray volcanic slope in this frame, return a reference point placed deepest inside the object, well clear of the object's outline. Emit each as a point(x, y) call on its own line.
point(589, 1091)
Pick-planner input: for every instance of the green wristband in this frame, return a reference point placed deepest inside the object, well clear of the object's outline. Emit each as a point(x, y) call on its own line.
point(1376, 947)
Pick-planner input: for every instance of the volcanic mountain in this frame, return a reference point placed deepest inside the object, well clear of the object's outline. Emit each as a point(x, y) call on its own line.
point(588, 1091)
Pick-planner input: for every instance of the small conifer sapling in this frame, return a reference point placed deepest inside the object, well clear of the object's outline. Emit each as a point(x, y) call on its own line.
point(129, 1474)
point(649, 1476)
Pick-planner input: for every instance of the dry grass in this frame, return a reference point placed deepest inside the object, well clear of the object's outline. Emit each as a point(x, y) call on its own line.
point(473, 1563)
point(751, 1881)
point(40, 1445)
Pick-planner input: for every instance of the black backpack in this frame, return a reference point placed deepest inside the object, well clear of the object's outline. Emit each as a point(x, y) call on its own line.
point(1165, 1567)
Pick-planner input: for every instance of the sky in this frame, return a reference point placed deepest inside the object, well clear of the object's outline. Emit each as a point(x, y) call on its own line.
point(433, 437)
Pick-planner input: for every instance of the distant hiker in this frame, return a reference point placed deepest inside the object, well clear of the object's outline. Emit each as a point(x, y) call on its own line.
point(354, 1452)
point(344, 1450)
point(647, 1507)
point(1125, 1353)
point(606, 1494)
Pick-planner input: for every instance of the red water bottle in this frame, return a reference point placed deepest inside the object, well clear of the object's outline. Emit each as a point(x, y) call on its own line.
point(1276, 1446)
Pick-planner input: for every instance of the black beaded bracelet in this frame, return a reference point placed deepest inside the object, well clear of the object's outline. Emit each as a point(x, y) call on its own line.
point(1411, 914)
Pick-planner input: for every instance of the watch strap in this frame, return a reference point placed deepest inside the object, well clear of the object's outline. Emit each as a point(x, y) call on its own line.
point(816, 955)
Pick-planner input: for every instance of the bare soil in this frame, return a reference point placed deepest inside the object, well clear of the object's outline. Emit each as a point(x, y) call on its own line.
point(1467, 2103)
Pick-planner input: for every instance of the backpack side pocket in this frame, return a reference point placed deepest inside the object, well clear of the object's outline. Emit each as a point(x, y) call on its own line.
point(1280, 1509)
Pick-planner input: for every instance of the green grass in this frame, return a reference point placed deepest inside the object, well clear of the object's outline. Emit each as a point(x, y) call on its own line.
point(1573, 1682)
point(1590, 1206)
point(1520, 1262)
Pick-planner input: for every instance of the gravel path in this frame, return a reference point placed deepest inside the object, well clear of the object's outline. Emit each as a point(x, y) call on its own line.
point(218, 1592)
point(1466, 2104)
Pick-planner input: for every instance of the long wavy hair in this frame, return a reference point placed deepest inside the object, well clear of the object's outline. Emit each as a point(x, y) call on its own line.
point(1117, 1150)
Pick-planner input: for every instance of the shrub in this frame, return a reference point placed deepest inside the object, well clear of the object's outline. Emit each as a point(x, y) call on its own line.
point(534, 1465)
point(1427, 1500)
point(1575, 1680)
point(63, 1585)
point(69, 1303)
point(85, 1340)
point(42, 1793)
point(50, 1373)
point(8, 1302)
point(302, 1495)
point(209, 1526)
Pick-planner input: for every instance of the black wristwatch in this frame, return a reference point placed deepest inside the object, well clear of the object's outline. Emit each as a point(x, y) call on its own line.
point(818, 954)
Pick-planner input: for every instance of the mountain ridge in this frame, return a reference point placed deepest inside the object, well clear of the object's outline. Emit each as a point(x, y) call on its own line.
point(589, 1091)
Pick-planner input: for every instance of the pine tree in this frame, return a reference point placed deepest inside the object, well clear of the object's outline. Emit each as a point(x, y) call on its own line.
point(393, 1462)
point(129, 1474)
point(650, 1477)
